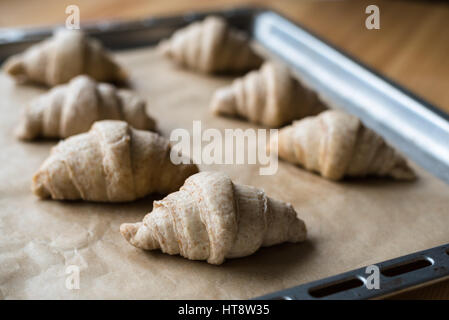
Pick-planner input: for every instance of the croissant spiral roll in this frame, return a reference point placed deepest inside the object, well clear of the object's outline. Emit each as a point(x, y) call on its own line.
point(70, 109)
point(62, 57)
point(269, 96)
point(211, 46)
point(111, 163)
point(211, 218)
point(337, 144)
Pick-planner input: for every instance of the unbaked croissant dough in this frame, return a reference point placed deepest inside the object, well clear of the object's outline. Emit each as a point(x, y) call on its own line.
point(269, 96)
point(337, 144)
point(72, 108)
point(111, 163)
point(211, 218)
point(62, 57)
point(211, 46)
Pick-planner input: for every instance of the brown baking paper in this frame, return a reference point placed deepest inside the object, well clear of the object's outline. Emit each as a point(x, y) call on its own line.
point(350, 224)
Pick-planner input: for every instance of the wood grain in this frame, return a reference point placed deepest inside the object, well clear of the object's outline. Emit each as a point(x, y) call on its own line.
point(411, 48)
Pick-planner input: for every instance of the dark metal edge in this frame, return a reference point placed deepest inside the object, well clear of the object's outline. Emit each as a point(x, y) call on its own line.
point(437, 270)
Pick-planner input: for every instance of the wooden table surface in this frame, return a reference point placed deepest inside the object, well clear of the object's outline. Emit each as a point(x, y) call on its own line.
point(411, 47)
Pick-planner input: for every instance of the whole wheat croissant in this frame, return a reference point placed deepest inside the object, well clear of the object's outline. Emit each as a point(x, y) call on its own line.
point(211, 46)
point(211, 218)
point(111, 163)
point(269, 96)
point(337, 144)
point(60, 58)
point(72, 108)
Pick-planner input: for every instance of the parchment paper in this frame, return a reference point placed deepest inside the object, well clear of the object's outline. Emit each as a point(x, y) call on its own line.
point(350, 224)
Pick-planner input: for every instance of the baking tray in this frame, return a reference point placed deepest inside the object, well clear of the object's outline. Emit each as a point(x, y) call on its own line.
point(412, 125)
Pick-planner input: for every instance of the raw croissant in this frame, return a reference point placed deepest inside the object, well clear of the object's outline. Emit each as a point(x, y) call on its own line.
point(269, 96)
point(62, 57)
point(111, 163)
point(211, 218)
point(337, 144)
point(70, 109)
point(211, 46)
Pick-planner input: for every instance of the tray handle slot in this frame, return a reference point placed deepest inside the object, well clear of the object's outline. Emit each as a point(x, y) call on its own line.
point(336, 287)
point(406, 267)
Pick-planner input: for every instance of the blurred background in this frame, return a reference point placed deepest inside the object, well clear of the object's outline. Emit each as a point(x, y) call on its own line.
point(411, 47)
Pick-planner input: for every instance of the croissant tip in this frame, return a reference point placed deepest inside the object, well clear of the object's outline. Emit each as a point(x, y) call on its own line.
point(39, 188)
point(302, 235)
point(24, 130)
point(404, 173)
point(223, 102)
point(128, 230)
point(121, 76)
point(298, 229)
point(152, 124)
point(14, 66)
point(164, 47)
point(21, 133)
point(23, 136)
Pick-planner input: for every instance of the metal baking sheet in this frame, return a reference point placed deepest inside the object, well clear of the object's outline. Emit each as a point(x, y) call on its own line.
point(412, 125)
